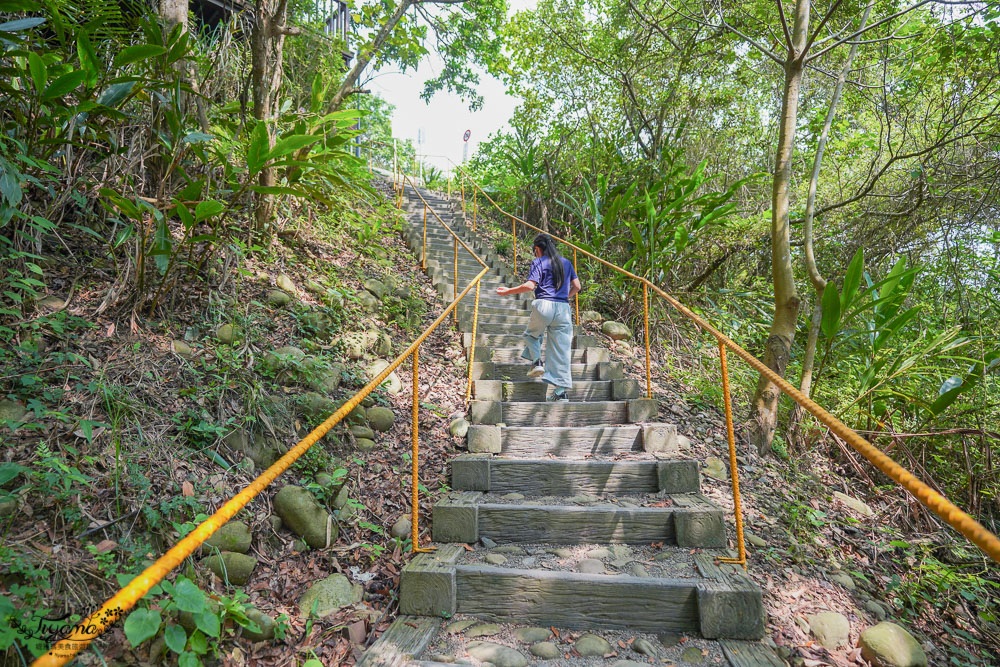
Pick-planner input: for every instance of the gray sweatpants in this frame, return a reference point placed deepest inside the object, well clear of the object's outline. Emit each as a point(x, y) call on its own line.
point(554, 317)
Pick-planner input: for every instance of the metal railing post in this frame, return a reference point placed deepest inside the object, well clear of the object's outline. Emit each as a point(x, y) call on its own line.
point(472, 348)
point(424, 253)
point(645, 323)
point(455, 281)
point(513, 242)
point(415, 499)
point(577, 294)
point(733, 472)
point(463, 194)
point(475, 207)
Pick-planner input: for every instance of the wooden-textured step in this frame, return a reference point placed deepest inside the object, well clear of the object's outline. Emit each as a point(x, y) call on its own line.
point(568, 441)
point(519, 371)
point(444, 583)
point(593, 413)
point(553, 477)
point(517, 340)
point(584, 390)
point(687, 520)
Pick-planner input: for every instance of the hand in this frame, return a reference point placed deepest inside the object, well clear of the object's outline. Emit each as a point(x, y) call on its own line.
point(503, 291)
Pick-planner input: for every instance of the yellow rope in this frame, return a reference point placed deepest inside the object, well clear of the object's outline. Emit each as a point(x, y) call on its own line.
point(931, 499)
point(733, 472)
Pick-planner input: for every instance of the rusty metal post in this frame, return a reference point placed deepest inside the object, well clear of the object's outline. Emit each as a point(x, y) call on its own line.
point(645, 322)
point(733, 472)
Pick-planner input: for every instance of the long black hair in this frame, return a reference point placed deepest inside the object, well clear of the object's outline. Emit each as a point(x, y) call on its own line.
point(545, 243)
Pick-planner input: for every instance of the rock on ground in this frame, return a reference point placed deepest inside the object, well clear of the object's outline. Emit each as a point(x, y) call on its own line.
point(300, 511)
point(392, 383)
point(857, 505)
point(616, 330)
point(831, 629)
point(889, 645)
point(329, 596)
point(402, 528)
point(501, 656)
point(231, 566)
point(233, 536)
point(381, 419)
point(592, 646)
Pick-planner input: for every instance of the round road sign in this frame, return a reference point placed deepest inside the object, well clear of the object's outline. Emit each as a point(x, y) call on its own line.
point(468, 133)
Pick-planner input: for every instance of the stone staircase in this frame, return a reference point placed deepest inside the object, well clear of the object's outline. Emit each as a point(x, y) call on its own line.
point(541, 477)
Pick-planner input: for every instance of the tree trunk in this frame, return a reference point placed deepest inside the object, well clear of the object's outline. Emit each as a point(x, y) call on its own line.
point(764, 415)
point(364, 57)
point(267, 52)
point(817, 280)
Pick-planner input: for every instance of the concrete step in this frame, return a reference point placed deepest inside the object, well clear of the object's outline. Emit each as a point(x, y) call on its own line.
point(710, 601)
point(517, 340)
point(584, 390)
point(522, 413)
point(560, 441)
point(488, 370)
point(512, 355)
point(552, 477)
point(686, 520)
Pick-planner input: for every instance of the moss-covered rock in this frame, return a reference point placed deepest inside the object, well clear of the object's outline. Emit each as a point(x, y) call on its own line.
point(284, 282)
point(889, 645)
point(327, 596)
point(233, 536)
point(278, 298)
point(368, 301)
point(13, 411)
point(316, 407)
point(364, 444)
point(181, 349)
point(263, 621)
point(227, 334)
point(616, 331)
point(392, 384)
point(359, 431)
point(376, 287)
point(304, 516)
point(231, 566)
point(381, 419)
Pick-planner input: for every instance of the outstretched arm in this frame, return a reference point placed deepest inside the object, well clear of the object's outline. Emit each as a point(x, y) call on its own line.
point(574, 287)
point(526, 286)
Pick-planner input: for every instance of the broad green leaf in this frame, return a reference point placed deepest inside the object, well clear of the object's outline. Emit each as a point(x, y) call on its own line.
point(277, 190)
point(196, 137)
point(115, 93)
point(175, 638)
point(188, 596)
point(188, 659)
point(317, 94)
point(137, 52)
point(199, 644)
point(9, 471)
point(88, 59)
point(21, 24)
point(287, 145)
point(831, 311)
point(207, 209)
point(951, 383)
point(162, 246)
point(39, 73)
point(257, 150)
point(141, 624)
point(63, 85)
point(185, 215)
point(852, 280)
point(208, 622)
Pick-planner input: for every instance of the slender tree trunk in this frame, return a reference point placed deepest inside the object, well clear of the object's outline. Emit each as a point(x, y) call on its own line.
point(365, 56)
point(817, 280)
point(786, 301)
point(267, 53)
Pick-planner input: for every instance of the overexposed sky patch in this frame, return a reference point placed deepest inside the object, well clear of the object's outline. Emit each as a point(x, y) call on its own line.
point(444, 120)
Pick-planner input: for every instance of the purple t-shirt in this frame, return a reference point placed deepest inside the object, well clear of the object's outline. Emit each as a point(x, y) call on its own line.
point(545, 286)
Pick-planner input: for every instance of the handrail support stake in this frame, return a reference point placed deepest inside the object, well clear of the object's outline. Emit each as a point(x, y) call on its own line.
point(424, 261)
point(475, 207)
point(472, 348)
point(513, 243)
point(455, 281)
point(578, 295)
point(415, 499)
point(734, 474)
point(645, 323)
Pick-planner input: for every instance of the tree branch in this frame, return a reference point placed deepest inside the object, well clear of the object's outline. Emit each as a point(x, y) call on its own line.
point(871, 27)
point(784, 23)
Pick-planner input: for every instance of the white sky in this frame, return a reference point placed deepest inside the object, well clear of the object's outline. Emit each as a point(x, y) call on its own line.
point(446, 118)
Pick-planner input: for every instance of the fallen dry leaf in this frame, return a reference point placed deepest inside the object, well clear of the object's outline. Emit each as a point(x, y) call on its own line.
point(105, 545)
point(187, 489)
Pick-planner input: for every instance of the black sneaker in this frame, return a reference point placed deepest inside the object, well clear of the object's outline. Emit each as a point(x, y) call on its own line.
point(537, 370)
point(558, 397)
